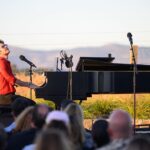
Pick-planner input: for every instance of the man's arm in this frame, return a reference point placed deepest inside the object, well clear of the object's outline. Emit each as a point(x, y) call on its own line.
point(25, 84)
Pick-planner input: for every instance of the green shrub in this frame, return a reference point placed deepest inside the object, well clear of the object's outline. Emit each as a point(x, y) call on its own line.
point(99, 108)
point(103, 107)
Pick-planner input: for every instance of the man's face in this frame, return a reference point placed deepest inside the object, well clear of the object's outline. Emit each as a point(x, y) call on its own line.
point(4, 50)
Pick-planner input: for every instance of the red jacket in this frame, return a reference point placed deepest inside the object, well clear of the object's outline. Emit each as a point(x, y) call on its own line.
point(7, 79)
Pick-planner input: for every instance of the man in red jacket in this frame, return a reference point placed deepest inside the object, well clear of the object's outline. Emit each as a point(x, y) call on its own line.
point(7, 79)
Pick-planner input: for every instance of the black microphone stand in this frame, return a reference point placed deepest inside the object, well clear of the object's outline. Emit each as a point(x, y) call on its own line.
point(57, 69)
point(69, 64)
point(134, 83)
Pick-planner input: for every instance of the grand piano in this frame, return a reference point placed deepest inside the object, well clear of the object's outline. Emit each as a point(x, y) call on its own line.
point(94, 75)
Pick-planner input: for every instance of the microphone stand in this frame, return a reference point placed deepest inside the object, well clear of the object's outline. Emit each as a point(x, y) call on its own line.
point(69, 65)
point(70, 83)
point(57, 69)
point(30, 74)
point(134, 83)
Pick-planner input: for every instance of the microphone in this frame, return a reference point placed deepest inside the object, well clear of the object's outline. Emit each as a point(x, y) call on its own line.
point(27, 61)
point(68, 60)
point(129, 35)
point(63, 54)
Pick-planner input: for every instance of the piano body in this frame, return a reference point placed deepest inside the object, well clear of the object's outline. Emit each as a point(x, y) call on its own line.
point(95, 76)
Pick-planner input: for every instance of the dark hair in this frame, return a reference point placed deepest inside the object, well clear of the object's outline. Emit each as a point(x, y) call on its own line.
point(65, 103)
point(58, 125)
point(99, 132)
point(1, 41)
point(53, 139)
point(39, 116)
point(19, 104)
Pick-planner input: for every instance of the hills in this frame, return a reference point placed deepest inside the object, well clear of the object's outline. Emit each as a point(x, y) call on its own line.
point(47, 59)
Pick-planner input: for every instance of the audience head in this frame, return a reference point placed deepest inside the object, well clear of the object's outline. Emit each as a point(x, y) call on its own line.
point(100, 132)
point(75, 112)
point(23, 121)
point(57, 115)
point(19, 104)
point(58, 120)
point(29, 101)
point(52, 140)
point(139, 143)
point(39, 115)
point(76, 123)
point(120, 124)
point(65, 103)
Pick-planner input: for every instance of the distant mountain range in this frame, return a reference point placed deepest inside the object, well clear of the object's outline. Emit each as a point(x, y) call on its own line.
point(47, 59)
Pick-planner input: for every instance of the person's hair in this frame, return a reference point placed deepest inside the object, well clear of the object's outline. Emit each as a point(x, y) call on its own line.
point(19, 104)
point(58, 125)
point(65, 103)
point(52, 140)
point(139, 143)
point(28, 100)
point(1, 41)
point(39, 115)
point(23, 121)
point(100, 132)
point(76, 123)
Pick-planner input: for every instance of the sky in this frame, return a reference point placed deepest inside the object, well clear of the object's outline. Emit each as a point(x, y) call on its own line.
point(67, 24)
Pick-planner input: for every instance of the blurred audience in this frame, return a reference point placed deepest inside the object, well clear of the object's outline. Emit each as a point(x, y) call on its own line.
point(139, 143)
point(18, 105)
point(58, 120)
point(120, 130)
point(65, 103)
point(53, 140)
point(55, 120)
point(100, 133)
point(38, 127)
point(23, 121)
point(24, 138)
point(80, 138)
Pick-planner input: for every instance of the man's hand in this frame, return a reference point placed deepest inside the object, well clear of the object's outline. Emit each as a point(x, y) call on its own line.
point(33, 86)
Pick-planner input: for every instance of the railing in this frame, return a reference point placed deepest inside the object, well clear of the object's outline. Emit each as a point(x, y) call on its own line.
point(143, 126)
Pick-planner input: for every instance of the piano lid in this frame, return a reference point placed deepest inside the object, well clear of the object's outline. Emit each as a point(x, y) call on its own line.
point(104, 64)
point(92, 60)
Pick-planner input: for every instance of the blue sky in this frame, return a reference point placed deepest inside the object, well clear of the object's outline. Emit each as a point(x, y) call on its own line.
point(66, 24)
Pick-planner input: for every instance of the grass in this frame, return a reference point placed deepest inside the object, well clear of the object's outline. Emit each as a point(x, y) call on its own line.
point(102, 105)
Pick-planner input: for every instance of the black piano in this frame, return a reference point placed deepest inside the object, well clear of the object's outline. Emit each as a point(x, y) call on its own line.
point(95, 76)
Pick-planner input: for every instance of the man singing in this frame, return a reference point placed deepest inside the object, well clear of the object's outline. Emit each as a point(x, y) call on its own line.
point(7, 79)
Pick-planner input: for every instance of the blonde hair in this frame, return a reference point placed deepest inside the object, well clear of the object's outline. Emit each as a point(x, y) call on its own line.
point(52, 139)
point(23, 121)
point(76, 123)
